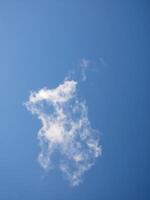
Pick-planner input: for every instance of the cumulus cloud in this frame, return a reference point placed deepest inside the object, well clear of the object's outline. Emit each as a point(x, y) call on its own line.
point(66, 130)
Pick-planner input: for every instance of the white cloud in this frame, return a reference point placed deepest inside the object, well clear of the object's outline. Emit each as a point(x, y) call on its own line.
point(66, 130)
point(84, 64)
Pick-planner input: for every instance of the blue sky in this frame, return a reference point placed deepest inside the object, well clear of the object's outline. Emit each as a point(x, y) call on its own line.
point(40, 42)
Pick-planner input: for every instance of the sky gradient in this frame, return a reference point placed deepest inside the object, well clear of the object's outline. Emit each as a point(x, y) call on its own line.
point(40, 43)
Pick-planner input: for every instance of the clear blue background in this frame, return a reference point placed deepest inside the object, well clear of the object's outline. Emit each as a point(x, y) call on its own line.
point(40, 41)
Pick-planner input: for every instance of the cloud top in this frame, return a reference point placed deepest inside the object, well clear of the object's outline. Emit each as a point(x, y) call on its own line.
point(66, 131)
point(84, 65)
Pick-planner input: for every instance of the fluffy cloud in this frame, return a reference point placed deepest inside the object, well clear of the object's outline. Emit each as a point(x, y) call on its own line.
point(66, 131)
